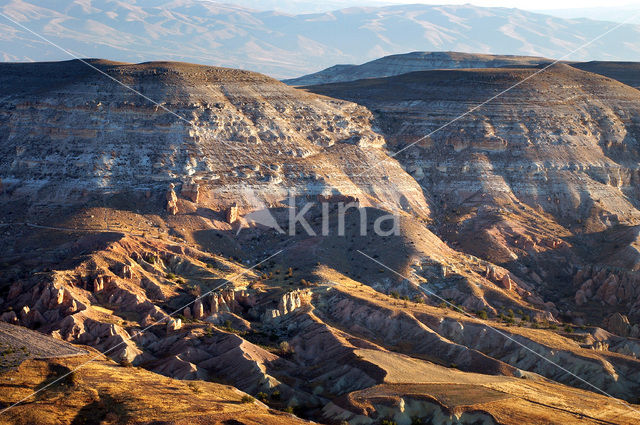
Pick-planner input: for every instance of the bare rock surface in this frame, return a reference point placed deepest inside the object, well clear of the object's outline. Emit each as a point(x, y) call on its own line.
point(18, 344)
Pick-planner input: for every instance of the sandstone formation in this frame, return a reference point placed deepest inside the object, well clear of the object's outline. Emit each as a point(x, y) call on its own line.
point(232, 214)
point(502, 274)
point(544, 192)
point(228, 146)
point(172, 200)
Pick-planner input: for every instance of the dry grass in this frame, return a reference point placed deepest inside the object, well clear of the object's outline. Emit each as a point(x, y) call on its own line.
point(106, 393)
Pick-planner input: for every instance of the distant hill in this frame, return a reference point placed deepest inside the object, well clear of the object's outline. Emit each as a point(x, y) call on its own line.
point(625, 72)
point(416, 61)
point(285, 45)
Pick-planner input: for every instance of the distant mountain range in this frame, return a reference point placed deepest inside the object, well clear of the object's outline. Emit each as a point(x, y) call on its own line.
point(287, 46)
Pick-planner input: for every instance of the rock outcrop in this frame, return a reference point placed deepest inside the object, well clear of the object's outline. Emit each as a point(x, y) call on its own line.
point(191, 191)
point(172, 200)
point(232, 214)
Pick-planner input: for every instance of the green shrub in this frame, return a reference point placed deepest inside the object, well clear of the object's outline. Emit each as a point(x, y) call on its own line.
point(247, 399)
point(483, 314)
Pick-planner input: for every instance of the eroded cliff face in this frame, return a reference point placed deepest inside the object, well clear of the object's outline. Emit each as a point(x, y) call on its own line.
point(530, 180)
point(68, 132)
point(564, 141)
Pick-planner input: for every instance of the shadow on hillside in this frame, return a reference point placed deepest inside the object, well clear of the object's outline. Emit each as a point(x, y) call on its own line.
point(105, 408)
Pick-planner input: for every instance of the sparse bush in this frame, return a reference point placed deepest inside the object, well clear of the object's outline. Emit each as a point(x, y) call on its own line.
point(483, 314)
point(275, 395)
point(195, 290)
point(553, 326)
point(170, 276)
point(568, 329)
point(388, 422)
point(125, 363)
point(458, 308)
point(394, 295)
point(262, 396)
point(247, 399)
point(285, 348)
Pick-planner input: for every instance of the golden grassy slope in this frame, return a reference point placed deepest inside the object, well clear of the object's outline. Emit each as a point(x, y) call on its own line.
point(103, 392)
